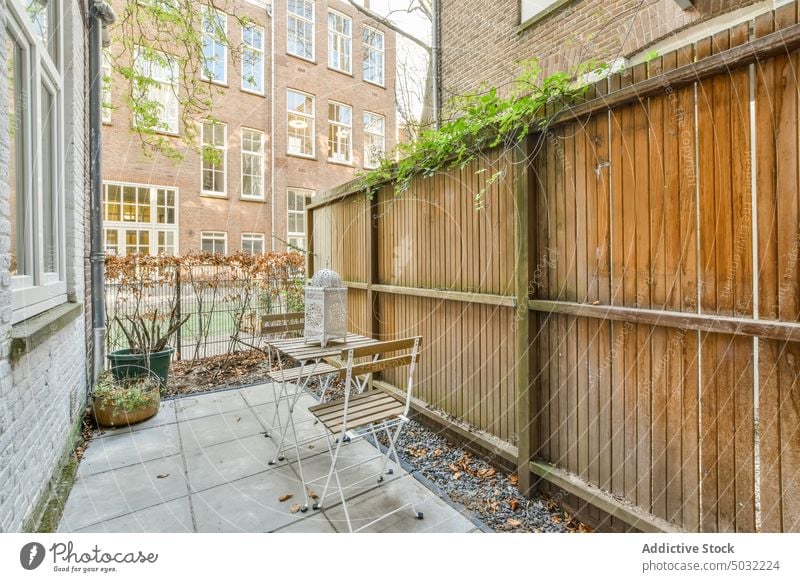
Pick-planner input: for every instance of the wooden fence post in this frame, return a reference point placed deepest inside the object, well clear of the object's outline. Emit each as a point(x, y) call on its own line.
point(309, 243)
point(522, 369)
point(372, 265)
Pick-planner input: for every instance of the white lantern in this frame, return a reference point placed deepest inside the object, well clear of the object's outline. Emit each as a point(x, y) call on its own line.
point(326, 308)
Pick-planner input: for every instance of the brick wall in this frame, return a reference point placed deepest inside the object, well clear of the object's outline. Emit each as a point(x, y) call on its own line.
point(124, 160)
point(43, 392)
point(481, 43)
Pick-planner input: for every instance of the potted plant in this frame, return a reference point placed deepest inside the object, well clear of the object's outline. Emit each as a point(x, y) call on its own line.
point(121, 402)
point(148, 333)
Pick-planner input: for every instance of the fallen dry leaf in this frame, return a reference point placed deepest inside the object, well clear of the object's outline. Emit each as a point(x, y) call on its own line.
point(313, 495)
point(513, 522)
point(514, 505)
point(453, 467)
point(457, 475)
point(295, 508)
point(513, 479)
point(164, 476)
point(437, 452)
point(285, 497)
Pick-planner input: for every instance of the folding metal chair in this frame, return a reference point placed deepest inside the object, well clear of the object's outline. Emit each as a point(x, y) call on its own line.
point(368, 413)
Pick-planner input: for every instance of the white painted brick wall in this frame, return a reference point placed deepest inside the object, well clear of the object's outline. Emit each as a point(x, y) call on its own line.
point(35, 411)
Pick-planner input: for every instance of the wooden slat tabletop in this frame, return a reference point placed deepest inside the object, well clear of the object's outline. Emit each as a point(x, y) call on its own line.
point(298, 349)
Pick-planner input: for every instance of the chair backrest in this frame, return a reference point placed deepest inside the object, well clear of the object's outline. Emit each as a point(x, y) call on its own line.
point(277, 323)
point(382, 361)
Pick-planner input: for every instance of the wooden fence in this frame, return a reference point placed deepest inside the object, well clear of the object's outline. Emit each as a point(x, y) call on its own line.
point(620, 318)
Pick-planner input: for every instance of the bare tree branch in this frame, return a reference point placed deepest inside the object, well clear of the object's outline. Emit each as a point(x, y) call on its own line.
point(390, 25)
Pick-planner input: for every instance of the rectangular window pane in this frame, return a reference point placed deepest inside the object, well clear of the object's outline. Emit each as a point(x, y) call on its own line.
point(213, 242)
point(339, 42)
point(112, 242)
point(213, 157)
point(374, 139)
point(156, 90)
point(340, 122)
point(252, 163)
point(14, 103)
point(253, 58)
point(300, 28)
point(300, 123)
point(373, 56)
point(48, 161)
point(215, 26)
point(296, 201)
point(253, 243)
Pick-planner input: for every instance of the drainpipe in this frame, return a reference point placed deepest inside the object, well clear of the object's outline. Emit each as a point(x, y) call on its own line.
point(436, 61)
point(100, 16)
point(271, 12)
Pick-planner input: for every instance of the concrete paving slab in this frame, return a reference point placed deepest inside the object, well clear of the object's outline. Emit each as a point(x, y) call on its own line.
point(218, 428)
point(105, 496)
point(189, 407)
point(259, 394)
point(171, 517)
point(315, 523)
point(249, 505)
point(129, 448)
point(438, 516)
point(218, 464)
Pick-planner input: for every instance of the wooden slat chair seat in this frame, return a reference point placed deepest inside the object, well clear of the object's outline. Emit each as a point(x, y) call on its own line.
point(364, 409)
point(374, 410)
point(309, 371)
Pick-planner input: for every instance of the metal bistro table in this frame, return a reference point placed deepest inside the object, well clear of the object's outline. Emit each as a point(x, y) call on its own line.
point(311, 357)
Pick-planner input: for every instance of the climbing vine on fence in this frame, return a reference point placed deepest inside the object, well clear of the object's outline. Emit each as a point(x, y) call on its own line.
point(483, 121)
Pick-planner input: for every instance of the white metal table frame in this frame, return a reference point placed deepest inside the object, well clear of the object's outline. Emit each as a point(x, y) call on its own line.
point(309, 356)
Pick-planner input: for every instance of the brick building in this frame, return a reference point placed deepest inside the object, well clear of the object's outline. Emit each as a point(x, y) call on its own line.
point(312, 91)
point(564, 33)
point(44, 361)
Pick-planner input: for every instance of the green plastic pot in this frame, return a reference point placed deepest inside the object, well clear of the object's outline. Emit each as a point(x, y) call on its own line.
point(126, 365)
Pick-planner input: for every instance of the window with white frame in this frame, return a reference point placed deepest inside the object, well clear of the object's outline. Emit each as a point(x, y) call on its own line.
point(300, 29)
point(340, 132)
point(296, 201)
point(374, 139)
point(537, 8)
point(253, 58)
point(214, 242)
point(373, 56)
point(215, 52)
point(300, 123)
point(340, 42)
point(253, 243)
point(106, 91)
point(140, 218)
point(252, 164)
point(34, 102)
point(213, 157)
point(156, 88)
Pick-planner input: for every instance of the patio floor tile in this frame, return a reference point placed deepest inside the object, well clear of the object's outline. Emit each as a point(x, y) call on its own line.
point(128, 448)
point(219, 428)
point(439, 517)
point(250, 504)
point(314, 523)
point(111, 494)
point(171, 517)
point(259, 394)
point(218, 464)
point(188, 407)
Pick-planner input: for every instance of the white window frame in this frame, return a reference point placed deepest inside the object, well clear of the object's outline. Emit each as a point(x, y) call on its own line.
point(305, 21)
point(531, 11)
point(153, 226)
point(252, 237)
point(342, 127)
point(224, 149)
point(211, 36)
point(312, 118)
point(260, 155)
point(368, 48)
point(346, 41)
point(367, 164)
point(216, 235)
point(169, 88)
point(36, 291)
point(248, 47)
point(307, 196)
